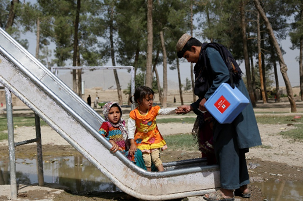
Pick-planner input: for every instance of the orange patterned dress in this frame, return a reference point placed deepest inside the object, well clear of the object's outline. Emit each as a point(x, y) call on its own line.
point(147, 135)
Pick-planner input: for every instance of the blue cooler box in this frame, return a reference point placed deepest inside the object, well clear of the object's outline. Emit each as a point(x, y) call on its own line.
point(226, 103)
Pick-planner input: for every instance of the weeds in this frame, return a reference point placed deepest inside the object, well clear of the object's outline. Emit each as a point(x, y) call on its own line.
point(18, 122)
point(295, 134)
point(181, 142)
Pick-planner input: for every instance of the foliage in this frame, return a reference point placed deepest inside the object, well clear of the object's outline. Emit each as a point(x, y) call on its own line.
point(187, 86)
point(139, 81)
point(215, 20)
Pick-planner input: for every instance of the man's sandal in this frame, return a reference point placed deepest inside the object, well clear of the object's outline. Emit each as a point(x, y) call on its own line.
point(238, 192)
point(217, 196)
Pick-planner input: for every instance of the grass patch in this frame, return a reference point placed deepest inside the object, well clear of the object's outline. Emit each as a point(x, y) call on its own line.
point(265, 146)
point(3, 135)
point(295, 134)
point(278, 120)
point(181, 141)
point(18, 122)
point(177, 120)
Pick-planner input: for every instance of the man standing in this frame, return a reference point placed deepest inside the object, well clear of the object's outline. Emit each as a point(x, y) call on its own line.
point(89, 100)
point(214, 66)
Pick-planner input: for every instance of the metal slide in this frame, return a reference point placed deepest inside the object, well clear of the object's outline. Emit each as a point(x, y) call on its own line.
point(78, 123)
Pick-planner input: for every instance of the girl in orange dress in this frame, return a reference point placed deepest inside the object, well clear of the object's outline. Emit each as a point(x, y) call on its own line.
point(142, 128)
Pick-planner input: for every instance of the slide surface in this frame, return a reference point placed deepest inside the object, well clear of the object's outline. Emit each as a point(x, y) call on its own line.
point(78, 123)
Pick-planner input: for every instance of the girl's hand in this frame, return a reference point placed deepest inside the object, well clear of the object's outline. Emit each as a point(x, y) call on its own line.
point(115, 147)
point(132, 149)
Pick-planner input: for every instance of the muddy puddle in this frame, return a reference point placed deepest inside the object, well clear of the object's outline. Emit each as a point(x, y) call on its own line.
point(74, 172)
point(281, 190)
point(79, 175)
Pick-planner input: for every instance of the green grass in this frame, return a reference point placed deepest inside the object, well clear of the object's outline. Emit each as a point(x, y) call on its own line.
point(295, 134)
point(18, 122)
point(265, 146)
point(278, 119)
point(177, 120)
point(186, 140)
point(3, 135)
point(181, 142)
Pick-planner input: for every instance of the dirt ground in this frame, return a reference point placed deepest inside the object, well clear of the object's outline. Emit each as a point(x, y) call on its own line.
point(278, 158)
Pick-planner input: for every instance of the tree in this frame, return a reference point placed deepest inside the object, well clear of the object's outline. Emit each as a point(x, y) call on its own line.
point(111, 25)
point(76, 61)
point(188, 85)
point(296, 34)
point(149, 53)
point(164, 100)
point(260, 60)
point(174, 20)
point(283, 66)
point(179, 79)
point(11, 20)
point(140, 81)
point(72, 27)
point(245, 53)
point(11, 14)
point(131, 27)
point(192, 33)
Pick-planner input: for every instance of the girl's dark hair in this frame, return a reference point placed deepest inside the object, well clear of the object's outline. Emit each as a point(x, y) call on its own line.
point(116, 105)
point(140, 93)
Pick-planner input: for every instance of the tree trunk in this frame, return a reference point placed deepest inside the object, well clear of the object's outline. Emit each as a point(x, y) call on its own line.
point(164, 103)
point(191, 65)
point(135, 66)
point(283, 66)
point(277, 95)
point(263, 66)
point(79, 74)
point(179, 80)
point(149, 78)
point(273, 60)
point(112, 54)
point(253, 78)
point(157, 77)
point(301, 68)
point(260, 60)
point(76, 43)
point(300, 60)
point(208, 22)
point(11, 14)
point(245, 52)
point(137, 58)
point(38, 38)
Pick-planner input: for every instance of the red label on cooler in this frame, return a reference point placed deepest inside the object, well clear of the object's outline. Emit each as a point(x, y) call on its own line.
point(222, 104)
